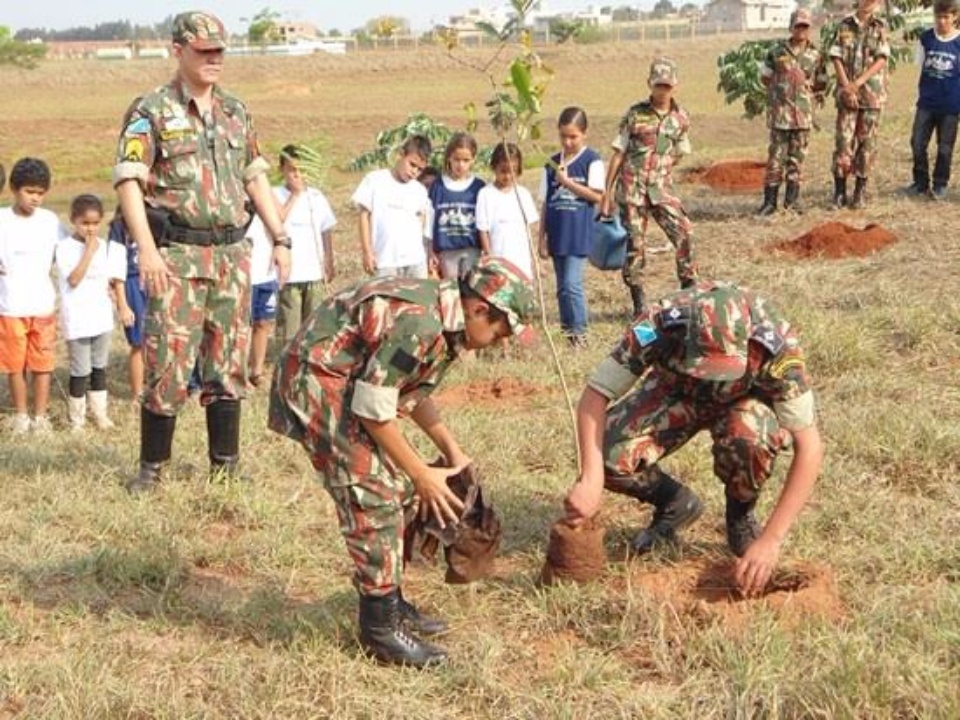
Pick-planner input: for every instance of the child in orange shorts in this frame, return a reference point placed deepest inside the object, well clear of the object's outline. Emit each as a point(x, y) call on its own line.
point(28, 326)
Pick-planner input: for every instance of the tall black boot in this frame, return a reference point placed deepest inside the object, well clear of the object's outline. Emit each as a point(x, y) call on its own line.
point(675, 505)
point(791, 197)
point(223, 438)
point(859, 201)
point(636, 296)
point(770, 195)
point(383, 635)
point(839, 191)
point(417, 621)
point(156, 444)
point(742, 525)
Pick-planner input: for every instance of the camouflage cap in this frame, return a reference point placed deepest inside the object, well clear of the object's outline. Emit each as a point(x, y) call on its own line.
point(663, 71)
point(801, 16)
point(200, 30)
point(506, 287)
point(713, 323)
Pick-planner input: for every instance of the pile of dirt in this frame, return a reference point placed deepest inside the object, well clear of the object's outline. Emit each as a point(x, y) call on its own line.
point(706, 588)
point(574, 553)
point(836, 240)
point(489, 392)
point(731, 176)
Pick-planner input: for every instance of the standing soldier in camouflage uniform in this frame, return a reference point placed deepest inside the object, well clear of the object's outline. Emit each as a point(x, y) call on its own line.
point(716, 357)
point(652, 137)
point(187, 163)
point(859, 54)
point(791, 75)
point(363, 357)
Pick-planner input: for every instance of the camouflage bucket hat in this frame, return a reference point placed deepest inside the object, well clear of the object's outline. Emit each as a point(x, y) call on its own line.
point(506, 287)
point(713, 323)
point(199, 30)
point(800, 16)
point(663, 71)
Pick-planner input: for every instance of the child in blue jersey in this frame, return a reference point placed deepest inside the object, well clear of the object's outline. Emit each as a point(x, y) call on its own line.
point(454, 201)
point(572, 185)
point(938, 103)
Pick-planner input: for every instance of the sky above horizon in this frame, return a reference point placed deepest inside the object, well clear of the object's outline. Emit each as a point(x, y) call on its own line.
point(325, 14)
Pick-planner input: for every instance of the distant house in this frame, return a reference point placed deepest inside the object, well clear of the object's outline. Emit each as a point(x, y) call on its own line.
point(735, 15)
point(591, 17)
point(293, 32)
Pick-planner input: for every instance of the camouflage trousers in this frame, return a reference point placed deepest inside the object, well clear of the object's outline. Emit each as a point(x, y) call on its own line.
point(672, 219)
point(203, 319)
point(374, 501)
point(660, 417)
point(788, 150)
point(856, 142)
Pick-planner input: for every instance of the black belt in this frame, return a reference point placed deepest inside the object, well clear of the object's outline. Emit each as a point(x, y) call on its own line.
point(193, 236)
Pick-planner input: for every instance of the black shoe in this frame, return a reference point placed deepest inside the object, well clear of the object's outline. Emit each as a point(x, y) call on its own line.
point(383, 636)
point(411, 616)
point(839, 192)
point(770, 194)
point(859, 201)
point(791, 197)
point(742, 525)
point(916, 190)
point(223, 440)
point(939, 193)
point(675, 507)
point(156, 444)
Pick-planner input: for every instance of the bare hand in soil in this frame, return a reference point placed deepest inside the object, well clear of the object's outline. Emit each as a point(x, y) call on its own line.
point(754, 570)
point(436, 497)
point(582, 502)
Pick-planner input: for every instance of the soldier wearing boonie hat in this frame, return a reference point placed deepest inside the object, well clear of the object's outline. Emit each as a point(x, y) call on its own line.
point(365, 357)
point(715, 357)
point(187, 165)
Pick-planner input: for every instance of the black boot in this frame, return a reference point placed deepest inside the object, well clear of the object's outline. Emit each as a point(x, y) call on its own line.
point(223, 439)
point(859, 201)
point(675, 507)
point(839, 191)
point(636, 296)
point(411, 616)
point(383, 636)
point(742, 525)
point(156, 444)
point(791, 197)
point(770, 194)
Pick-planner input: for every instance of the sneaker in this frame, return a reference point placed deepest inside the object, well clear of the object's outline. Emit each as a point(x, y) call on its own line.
point(20, 424)
point(939, 193)
point(41, 425)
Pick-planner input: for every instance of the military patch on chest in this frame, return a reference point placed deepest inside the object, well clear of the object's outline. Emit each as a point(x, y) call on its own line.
point(176, 134)
point(676, 317)
point(404, 361)
point(769, 338)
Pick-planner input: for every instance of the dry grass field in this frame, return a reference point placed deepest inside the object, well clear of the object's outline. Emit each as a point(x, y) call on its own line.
point(234, 601)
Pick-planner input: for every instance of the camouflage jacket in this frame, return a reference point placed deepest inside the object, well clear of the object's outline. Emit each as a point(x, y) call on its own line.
point(750, 348)
point(794, 78)
point(650, 143)
point(857, 47)
point(385, 344)
point(196, 168)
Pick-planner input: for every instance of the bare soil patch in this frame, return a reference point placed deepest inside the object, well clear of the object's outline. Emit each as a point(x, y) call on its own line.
point(490, 392)
point(730, 176)
point(837, 240)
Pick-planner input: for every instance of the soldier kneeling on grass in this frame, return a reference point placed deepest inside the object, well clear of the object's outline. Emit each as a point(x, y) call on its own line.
point(714, 357)
point(364, 357)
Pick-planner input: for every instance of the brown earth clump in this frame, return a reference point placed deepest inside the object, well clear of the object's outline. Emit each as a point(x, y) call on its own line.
point(837, 240)
point(489, 392)
point(731, 176)
point(574, 553)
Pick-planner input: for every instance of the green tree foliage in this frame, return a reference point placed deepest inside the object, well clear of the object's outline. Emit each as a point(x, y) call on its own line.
point(563, 30)
point(389, 141)
point(662, 9)
point(387, 26)
point(18, 53)
point(625, 13)
point(263, 27)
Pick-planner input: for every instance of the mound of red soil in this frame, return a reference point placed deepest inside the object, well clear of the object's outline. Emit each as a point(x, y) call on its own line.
point(574, 553)
point(837, 240)
point(489, 392)
point(733, 176)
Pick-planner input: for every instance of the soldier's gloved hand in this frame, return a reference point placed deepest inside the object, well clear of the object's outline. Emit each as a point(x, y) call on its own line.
point(436, 497)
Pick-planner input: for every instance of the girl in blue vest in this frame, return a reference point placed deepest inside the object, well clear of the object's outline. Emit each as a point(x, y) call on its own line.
point(572, 185)
point(454, 201)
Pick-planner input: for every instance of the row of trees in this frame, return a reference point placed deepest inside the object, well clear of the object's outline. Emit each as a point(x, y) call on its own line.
point(117, 30)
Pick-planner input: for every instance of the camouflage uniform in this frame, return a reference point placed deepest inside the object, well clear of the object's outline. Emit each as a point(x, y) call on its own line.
point(375, 351)
point(858, 47)
point(790, 108)
point(716, 357)
point(650, 143)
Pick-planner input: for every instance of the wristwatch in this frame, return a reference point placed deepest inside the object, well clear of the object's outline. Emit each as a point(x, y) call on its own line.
point(283, 241)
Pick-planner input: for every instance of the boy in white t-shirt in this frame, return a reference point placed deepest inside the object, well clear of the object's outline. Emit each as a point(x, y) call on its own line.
point(88, 266)
point(393, 214)
point(309, 221)
point(28, 326)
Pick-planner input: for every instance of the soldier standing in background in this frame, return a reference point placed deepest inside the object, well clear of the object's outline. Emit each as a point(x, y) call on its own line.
point(187, 163)
point(859, 54)
point(791, 75)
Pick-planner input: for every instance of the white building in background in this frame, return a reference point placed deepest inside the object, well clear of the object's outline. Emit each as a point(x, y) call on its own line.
point(733, 15)
point(592, 16)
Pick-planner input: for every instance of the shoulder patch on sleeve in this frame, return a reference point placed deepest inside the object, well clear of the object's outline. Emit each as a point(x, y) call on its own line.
point(769, 337)
point(139, 126)
point(676, 317)
point(645, 333)
point(403, 361)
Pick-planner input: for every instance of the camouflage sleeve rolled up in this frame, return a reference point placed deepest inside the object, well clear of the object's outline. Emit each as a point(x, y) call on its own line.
point(135, 150)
